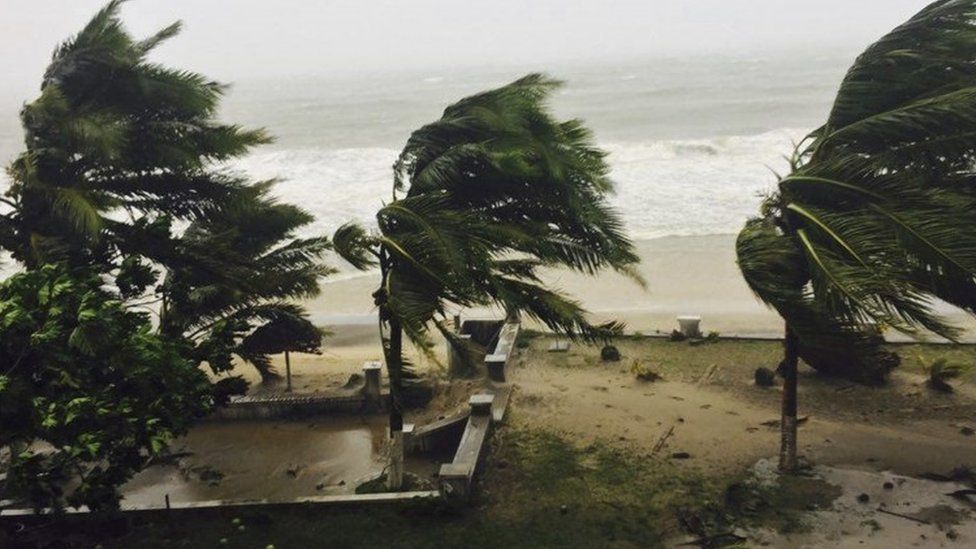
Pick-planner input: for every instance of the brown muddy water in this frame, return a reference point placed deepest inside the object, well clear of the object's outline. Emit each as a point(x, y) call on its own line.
point(274, 460)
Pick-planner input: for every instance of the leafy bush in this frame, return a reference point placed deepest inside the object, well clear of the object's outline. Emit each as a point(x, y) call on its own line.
point(89, 393)
point(941, 371)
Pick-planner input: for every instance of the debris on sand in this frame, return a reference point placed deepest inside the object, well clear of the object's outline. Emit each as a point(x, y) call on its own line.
point(775, 422)
point(919, 508)
point(643, 373)
point(354, 381)
point(560, 346)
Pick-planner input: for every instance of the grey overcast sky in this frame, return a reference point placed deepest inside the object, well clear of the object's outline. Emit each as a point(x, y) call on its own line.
point(234, 39)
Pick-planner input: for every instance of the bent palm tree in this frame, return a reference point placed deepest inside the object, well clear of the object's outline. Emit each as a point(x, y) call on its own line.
point(875, 219)
point(115, 144)
point(482, 199)
point(250, 311)
point(119, 151)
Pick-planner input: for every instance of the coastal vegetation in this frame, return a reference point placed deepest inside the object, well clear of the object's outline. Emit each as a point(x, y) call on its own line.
point(150, 271)
point(873, 223)
point(89, 392)
point(484, 198)
point(123, 183)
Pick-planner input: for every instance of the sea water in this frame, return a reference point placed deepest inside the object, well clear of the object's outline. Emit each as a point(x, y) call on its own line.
point(693, 142)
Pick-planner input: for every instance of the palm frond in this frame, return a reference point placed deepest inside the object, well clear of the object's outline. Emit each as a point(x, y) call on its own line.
point(873, 225)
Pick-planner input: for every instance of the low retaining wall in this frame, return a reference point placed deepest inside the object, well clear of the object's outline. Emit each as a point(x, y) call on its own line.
point(500, 358)
point(349, 500)
point(439, 434)
point(457, 477)
point(367, 399)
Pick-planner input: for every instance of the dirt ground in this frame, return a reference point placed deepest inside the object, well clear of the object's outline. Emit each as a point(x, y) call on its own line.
point(707, 405)
point(707, 416)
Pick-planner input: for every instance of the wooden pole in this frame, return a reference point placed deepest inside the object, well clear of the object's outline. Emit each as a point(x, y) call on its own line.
point(288, 371)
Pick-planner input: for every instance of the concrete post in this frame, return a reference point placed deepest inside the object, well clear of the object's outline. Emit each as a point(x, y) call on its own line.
point(371, 373)
point(496, 367)
point(690, 326)
point(409, 441)
point(455, 364)
point(453, 484)
point(481, 404)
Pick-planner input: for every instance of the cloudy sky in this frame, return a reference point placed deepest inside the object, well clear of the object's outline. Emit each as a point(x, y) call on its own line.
point(235, 39)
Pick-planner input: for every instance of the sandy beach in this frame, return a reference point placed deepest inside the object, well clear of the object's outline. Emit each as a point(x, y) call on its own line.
point(686, 275)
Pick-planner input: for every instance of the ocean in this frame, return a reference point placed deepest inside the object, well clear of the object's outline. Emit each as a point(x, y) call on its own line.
point(692, 140)
point(693, 143)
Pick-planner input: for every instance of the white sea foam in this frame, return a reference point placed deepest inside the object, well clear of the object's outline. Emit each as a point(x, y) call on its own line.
point(666, 187)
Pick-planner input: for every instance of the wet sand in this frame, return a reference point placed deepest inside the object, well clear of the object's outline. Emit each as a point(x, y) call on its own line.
point(694, 275)
point(898, 512)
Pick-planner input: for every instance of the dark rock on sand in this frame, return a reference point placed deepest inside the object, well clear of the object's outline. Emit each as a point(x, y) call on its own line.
point(610, 354)
point(765, 377)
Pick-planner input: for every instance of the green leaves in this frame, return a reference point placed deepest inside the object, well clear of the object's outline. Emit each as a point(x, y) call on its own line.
point(120, 151)
point(877, 202)
point(353, 244)
point(112, 132)
point(240, 305)
point(87, 388)
point(498, 178)
point(483, 197)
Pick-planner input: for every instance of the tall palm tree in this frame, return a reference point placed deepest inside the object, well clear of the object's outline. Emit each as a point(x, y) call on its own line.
point(120, 152)
point(482, 199)
point(875, 220)
point(114, 144)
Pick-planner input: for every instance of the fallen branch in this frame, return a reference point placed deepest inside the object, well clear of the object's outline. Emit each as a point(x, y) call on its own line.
point(727, 538)
point(707, 376)
point(661, 441)
point(776, 422)
point(907, 517)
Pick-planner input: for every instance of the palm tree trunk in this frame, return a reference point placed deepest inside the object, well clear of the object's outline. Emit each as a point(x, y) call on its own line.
point(394, 368)
point(787, 451)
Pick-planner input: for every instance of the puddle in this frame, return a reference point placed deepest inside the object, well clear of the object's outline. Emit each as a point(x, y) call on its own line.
point(265, 460)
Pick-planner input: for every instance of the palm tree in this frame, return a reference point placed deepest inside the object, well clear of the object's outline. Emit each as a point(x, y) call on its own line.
point(115, 133)
point(120, 152)
point(250, 311)
point(482, 199)
point(874, 222)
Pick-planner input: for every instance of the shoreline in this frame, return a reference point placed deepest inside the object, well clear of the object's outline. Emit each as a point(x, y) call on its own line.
point(686, 275)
